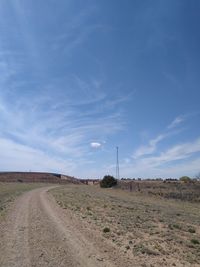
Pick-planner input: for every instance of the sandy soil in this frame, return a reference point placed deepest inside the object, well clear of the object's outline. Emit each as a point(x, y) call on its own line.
point(37, 232)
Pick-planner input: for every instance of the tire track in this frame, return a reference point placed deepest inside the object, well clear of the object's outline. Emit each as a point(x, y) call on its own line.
point(38, 233)
point(15, 251)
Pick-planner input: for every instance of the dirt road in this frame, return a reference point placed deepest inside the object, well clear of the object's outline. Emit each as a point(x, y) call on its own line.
point(37, 232)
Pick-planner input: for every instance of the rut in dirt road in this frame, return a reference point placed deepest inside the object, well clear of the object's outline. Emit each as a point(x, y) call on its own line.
point(37, 233)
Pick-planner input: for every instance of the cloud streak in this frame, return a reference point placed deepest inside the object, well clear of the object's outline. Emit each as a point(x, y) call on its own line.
point(57, 129)
point(153, 143)
point(150, 148)
point(174, 161)
point(175, 153)
point(178, 120)
point(18, 157)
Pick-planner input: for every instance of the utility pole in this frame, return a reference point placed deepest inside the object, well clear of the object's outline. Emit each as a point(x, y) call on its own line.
point(117, 163)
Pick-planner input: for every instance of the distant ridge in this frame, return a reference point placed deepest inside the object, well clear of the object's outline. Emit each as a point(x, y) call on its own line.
point(37, 177)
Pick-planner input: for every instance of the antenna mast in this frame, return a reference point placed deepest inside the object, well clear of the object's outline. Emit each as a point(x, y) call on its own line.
point(117, 163)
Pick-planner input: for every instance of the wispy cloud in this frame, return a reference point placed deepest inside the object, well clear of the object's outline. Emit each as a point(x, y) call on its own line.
point(53, 119)
point(175, 161)
point(56, 129)
point(78, 30)
point(177, 152)
point(169, 163)
point(152, 161)
point(178, 120)
point(15, 156)
point(153, 169)
point(150, 148)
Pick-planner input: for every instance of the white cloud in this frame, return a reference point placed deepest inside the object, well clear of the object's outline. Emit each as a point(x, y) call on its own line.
point(150, 148)
point(176, 122)
point(152, 144)
point(95, 144)
point(177, 152)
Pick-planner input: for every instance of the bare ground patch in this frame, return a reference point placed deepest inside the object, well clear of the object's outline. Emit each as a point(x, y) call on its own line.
point(9, 191)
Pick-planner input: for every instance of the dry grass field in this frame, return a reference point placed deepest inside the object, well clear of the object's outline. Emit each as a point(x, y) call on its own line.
point(9, 191)
point(166, 189)
point(147, 229)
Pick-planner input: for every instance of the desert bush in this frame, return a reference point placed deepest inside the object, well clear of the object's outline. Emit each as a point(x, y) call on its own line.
point(191, 230)
point(106, 230)
point(177, 226)
point(195, 241)
point(185, 179)
point(108, 181)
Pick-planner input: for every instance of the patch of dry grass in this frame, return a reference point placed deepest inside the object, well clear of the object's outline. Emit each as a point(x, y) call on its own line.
point(146, 226)
point(9, 191)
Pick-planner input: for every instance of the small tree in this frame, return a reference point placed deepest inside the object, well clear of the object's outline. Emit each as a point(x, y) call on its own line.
point(108, 181)
point(185, 179)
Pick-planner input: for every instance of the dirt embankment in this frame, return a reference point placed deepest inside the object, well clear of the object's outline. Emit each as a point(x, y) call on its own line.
point(36, 177)
point(37, 232)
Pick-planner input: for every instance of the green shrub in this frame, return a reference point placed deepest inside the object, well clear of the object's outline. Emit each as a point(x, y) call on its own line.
point(177, 226)
point(185, 179)
point(106, 230)
point(108, 181)
point(191, 230)
point(195, 241)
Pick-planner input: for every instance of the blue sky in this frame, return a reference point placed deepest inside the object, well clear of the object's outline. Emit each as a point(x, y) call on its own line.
point(78, 78)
